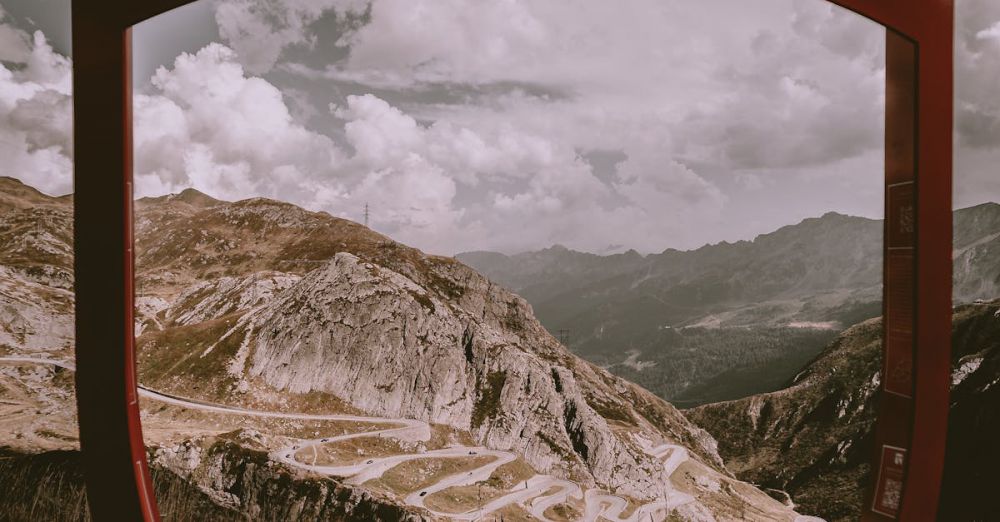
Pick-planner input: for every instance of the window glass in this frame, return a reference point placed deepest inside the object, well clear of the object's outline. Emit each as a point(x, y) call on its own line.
point(379, 241)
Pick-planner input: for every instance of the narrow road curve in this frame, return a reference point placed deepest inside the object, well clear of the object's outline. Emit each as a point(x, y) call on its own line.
point(535, 495)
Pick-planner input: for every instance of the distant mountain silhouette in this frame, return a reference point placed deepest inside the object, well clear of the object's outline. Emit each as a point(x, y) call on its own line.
point(795, 287)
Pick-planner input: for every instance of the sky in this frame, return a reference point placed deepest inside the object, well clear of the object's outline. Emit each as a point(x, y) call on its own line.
point(507, 125)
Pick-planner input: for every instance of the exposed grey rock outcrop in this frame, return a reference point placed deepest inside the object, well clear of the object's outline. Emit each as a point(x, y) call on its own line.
point(387, 345)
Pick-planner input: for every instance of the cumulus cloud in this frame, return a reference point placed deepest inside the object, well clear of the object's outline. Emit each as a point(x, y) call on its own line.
point(381, 134)
point(990, 33)
point(790, 88)
point(777, 87)
point(807, 97)
point(35, 112)
point(413, 172)
point(212, 126)
point(805, 69)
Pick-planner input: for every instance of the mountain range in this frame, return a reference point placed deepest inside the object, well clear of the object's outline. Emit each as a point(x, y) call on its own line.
point(731, 319)
point(297, 365)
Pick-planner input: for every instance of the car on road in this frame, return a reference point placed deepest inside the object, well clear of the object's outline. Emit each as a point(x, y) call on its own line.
point(369, 461)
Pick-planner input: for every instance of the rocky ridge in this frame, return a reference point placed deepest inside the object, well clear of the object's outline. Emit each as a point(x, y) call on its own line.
point(440, 344)
point(813, 439)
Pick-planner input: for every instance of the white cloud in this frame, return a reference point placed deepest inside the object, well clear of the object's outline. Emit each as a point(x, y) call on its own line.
point(804, 98)
point(725, 86)
point(483, 116)
point(413, 202)
point(654, 180)
point(773, 85)
point(381, 134)
point(411, 173)
point(211, 126)
point(990, 33)
point(36, 115)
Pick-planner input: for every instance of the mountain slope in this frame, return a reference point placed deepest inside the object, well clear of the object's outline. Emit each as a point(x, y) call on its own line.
point(36, 270)
point(977, 247)
point(396, 333)
point(813, 439)
point(392, 332)
point(732, 313)
point(786, 268)
point(262, 304)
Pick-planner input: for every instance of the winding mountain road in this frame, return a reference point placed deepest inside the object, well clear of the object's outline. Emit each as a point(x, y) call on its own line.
point(535, 495)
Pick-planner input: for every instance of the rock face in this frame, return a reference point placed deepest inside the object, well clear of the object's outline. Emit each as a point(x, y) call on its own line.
point(814, 438)
point(36, 270)
point(474, 359)
point(388, 330)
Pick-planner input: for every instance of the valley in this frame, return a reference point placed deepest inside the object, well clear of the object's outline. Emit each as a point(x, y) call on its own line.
point(727, 320)
point(539, 493)
point(265, 329)
point(298, 366)
point(536, 496)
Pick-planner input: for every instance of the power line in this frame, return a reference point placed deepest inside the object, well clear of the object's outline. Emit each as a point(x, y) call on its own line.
point(366, 214)
point(564, 336)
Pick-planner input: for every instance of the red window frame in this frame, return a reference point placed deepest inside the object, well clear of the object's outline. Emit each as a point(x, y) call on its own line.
point(918, 153)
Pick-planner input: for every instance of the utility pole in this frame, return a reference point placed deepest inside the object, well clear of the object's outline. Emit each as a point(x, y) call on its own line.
point(366, 214)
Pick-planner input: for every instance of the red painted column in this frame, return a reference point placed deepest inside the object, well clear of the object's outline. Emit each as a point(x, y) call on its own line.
point(117, 479)
point(892, 438)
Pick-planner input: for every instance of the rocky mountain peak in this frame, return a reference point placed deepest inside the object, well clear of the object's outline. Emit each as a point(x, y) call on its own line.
point(188, 197)
point(389, 345)
point(15, 194)
point(196, 198)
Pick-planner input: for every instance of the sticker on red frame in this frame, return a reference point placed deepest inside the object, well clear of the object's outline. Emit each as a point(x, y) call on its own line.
point(889, 489)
